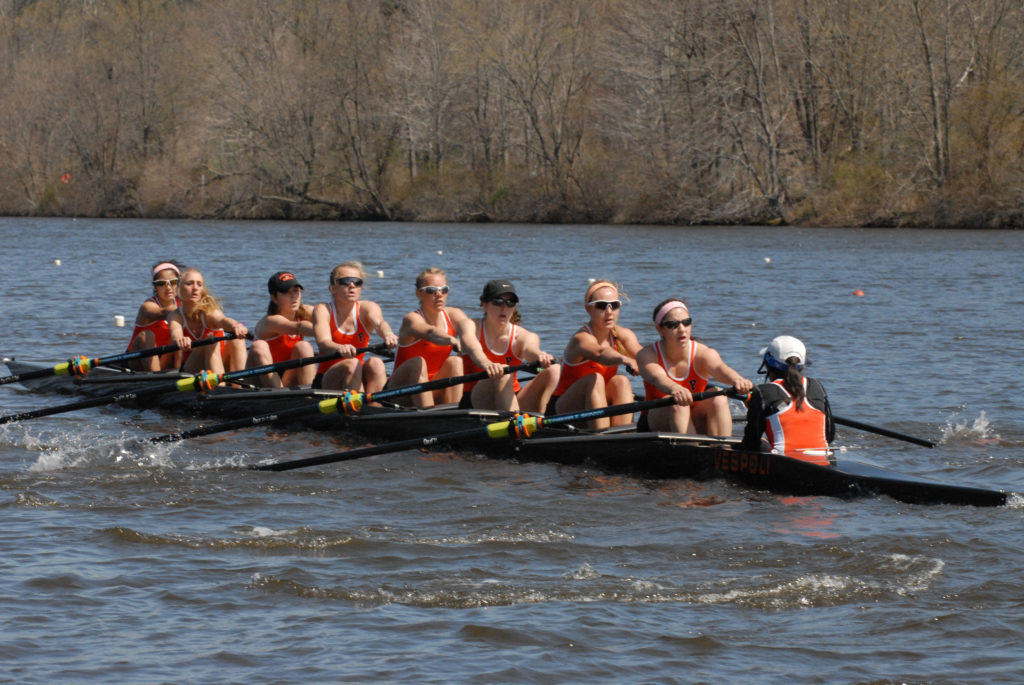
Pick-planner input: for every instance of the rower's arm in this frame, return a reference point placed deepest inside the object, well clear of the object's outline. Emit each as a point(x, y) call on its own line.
point(530, 349)
point(322, 329)
point(710, 365)
point(466, 329)
point(373, 319)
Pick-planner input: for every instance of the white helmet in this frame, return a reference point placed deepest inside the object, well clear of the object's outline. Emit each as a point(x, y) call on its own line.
point(781, 349)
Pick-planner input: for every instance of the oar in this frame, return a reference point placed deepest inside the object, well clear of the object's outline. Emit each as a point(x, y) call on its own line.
point(348, 402)
point(520, 426)
point(80, 366)
point(200, 382)
point(859, 425)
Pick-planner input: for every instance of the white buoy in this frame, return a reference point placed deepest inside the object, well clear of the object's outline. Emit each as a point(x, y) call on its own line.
point(380, 274)
point(440, 252)
point(119, 321)
point(767, 260)
point(56, 262)
point(591, 281)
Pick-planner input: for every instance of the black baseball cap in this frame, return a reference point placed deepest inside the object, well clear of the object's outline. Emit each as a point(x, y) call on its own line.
point(282, 282)
point(496, 288)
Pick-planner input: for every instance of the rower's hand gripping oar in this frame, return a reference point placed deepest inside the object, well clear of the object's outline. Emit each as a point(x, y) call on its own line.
point(520, 426)
point(80, 366)
point(348, 403)
point(201, 382)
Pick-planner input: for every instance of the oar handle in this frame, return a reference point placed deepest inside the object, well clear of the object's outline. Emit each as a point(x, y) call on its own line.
point(631, 408)
point(444, 382)
point(296, 363)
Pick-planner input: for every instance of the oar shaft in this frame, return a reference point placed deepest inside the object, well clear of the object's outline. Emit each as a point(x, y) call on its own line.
point(372, 450)
point(878, 430)
point(67, 368)
point(859, 425)
point(86, 404)
point(294, 363)
point(156, 351)
point(357, 401)
point(443, 383)
point(245, 422)
point(197, 382)
point(499, 429)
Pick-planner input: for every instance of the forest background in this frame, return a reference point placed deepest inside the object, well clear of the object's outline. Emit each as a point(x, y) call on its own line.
point(814, 112)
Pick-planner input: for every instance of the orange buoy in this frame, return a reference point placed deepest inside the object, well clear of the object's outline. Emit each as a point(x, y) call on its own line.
point(858, 293)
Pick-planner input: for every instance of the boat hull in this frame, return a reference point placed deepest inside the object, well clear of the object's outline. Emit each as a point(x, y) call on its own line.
point(645, 455)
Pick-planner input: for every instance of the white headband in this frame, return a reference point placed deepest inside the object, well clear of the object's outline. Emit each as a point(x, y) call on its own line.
point(666, 308)
point(165, 265)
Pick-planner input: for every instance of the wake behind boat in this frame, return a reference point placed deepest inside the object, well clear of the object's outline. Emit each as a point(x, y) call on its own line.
point(656, 455)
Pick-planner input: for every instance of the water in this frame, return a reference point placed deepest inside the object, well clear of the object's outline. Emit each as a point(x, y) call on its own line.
point(124, 563)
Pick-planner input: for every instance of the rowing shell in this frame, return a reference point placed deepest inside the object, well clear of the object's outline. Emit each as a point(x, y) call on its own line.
point(619, 450)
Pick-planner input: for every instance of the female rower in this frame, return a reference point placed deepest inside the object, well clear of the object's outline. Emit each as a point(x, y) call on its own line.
point(151, 325)
point(504, 342)
point(344, 324)
point(789, 414)
point(679, 366)
point(426, 340)
point(200, 316)
point(279, 334)
point(589, 378)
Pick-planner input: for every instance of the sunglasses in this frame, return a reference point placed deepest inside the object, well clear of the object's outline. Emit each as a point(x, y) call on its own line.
point(676, 324)
point(606, 304)
point(503, 302)
point(349, 280)
point(435, 289)
point(162, 282)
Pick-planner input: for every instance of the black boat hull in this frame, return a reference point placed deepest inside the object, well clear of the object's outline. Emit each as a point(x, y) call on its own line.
point(646, 455)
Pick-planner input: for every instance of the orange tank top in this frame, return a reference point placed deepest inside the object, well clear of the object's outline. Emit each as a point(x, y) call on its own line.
point(693, 381)
point(573, 372)
point(507, 358)
point(433, 354)
point(798, 433)
point(281, 346)
point(161, 330)
point(359, 337)
point(204, 332)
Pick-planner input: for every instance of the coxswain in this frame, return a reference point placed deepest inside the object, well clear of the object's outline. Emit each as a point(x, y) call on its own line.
point(789, 414)
point(679, 366)
point(151, 326)
point(344, 325)
point(504, 342)
point(280, 335)
point(589, 378)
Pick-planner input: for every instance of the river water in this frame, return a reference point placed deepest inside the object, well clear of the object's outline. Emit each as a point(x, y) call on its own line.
point(123, 563)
